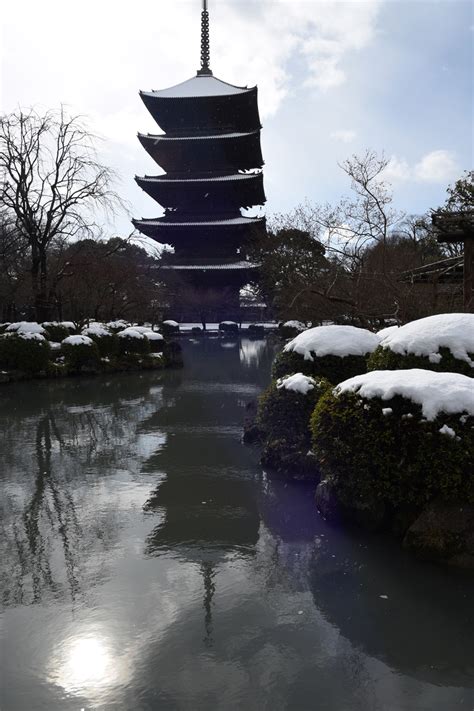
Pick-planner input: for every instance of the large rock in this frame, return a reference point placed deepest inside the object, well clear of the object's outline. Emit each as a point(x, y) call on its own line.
point(444, 532)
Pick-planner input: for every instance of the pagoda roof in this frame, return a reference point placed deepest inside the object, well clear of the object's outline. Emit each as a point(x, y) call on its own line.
point(213, 136)
point(230, 222)
point(223, 266)
point(207, 179)
point(198, 86)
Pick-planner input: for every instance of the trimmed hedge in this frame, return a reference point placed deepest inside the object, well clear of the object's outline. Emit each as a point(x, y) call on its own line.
point(30, 355)
point(81, 355)
point(283, 419)
point(332, 368)
point(56, 332)
point(386, 359)
point(129, 344)
point(397, 458)
point(107, 345)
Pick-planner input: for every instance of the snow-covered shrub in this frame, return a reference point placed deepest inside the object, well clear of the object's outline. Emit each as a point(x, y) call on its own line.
point(290, 329)
point(155, 340)
point(107, 342)
point(28, 352)
point(397, 437)
point(117, 325)
point(256, 331)
point(25, 327)
point(283, 419)
point(444, 343)
point(56, 331)
point(132, 341)
point(169, 328)
point(332, 352)
point(229, 328)
point(80, 352)
point(4, 326)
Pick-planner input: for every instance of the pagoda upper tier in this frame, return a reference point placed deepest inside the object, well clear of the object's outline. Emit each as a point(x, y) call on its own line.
point(204, 104)
point(220, 152)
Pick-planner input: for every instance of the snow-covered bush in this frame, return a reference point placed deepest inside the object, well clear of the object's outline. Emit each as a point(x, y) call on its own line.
point(56, 331)
point(4, 326)
point(155, 340)
point(28, 352)
point(107, 342)
point(397, 437)
point(117, 325)
point(256, 331)
point(444, 343)
point(170, 328)
point(25, 327)
point(283, 419)
point(290, 329)
point(132, 341)
point(80, 352)
point(332, 352)
point(229, 328)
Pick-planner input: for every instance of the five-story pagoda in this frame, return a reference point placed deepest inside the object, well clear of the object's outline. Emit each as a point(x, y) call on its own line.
point(210, 150)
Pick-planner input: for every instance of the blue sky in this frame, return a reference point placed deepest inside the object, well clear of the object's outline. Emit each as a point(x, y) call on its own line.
point(334, 79)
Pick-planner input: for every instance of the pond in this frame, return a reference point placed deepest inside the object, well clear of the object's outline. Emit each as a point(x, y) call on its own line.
point(148, 563)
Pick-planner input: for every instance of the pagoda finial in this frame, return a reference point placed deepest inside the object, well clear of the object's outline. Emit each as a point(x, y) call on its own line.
point(205, 47)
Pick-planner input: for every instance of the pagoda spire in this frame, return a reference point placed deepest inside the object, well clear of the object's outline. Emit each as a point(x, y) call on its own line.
point(205, 46)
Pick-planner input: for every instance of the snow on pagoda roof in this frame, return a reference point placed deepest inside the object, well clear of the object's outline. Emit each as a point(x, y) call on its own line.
point(198, 267)
point(213, 179)
point(196, 87)
point(164, 137)
point(207, 223)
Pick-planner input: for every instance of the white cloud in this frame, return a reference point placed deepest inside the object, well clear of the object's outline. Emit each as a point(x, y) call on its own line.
point(343, 135)
point(437, 167)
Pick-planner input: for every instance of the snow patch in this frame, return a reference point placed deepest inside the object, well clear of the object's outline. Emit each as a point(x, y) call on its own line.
point(426, 336)
point(295, 324)
point(96, 329)
point(170, 322)
point(131, 333)
point(451, 393)
point(387, 331)
point(333, 340)
point(447, 431)
point(78, 341)
point(26, 327)
point(298, 383)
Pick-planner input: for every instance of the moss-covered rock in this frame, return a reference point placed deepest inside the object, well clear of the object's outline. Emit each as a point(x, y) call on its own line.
point(29, 353)
point(388, 450)
point(383, 358)
point(283, 420)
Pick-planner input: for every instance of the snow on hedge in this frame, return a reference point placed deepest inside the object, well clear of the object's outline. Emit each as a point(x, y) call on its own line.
point(426, 336)
point(131, 332)
point(298, 383)
point(96, 329)
point(387, 331)
point(26, 327)
point(333, 340)
point(119, 323)
point(170, 322)
point(153, 335)
point(78, 341)
point(295, 324)
point(65, 324)
point(451, 393)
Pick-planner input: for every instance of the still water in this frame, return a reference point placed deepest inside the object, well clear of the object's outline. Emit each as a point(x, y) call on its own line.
point(148, 563)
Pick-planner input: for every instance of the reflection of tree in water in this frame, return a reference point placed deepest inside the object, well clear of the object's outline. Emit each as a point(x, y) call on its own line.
point(59, 524)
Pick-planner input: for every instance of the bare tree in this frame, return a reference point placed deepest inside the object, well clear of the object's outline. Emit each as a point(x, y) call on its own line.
point(52, 182)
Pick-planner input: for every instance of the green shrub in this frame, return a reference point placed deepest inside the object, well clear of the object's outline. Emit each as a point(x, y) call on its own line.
point(81, 355)
point(229, 328)
point(132, 344)
point(290, 329)
point(30, 355)
point(397, 457)
point(256, 331)
point(169, 328)
point(332, 368)
point(386, 359)
point(156, 344)
point(56, 332)
point(108, 345)
point(283, 418)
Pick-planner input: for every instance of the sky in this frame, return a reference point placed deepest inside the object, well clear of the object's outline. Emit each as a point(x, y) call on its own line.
point(335, 78)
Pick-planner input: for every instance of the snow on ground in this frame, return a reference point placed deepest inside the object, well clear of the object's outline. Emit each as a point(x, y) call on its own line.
point(426, 336)
point(26, 327)
point(333, 340)
point(451, 393)
point(78, 341)
point(387, 331)
point(298, 383)
point(295, 324)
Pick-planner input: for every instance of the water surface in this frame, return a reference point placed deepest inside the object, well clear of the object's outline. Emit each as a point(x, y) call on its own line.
point(148, 563)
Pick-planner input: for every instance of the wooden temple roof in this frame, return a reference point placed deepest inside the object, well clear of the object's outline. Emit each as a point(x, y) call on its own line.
point(198, 86)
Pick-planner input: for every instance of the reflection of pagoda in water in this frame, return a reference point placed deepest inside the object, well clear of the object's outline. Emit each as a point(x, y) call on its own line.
point(211, 153)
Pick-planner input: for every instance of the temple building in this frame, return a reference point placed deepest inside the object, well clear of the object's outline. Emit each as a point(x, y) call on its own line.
point(210, 150)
